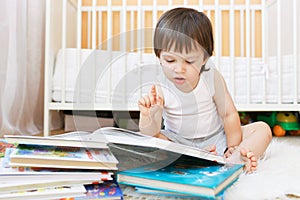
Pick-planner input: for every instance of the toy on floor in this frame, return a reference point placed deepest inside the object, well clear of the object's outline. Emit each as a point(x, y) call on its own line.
point(281, 122)
point(245, 118)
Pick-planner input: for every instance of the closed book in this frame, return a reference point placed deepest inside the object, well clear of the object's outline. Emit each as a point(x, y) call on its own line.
point(46, 192)
point(21, 172)
point(63, 157)
point(186, 175)
point(15, 185)
point(91, 176)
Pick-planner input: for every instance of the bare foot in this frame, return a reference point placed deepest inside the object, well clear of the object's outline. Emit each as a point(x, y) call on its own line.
point(242, 156)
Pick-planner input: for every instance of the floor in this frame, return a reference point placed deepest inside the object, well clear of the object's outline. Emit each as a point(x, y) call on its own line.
point(295, 140)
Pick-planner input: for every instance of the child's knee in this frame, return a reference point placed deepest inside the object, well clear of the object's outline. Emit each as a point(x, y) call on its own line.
point(265, 129)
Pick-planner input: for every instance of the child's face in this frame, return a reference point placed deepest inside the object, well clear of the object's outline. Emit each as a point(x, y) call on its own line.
point(183, 69)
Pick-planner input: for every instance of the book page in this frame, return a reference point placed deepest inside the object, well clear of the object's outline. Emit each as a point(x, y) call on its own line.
point(126, 137)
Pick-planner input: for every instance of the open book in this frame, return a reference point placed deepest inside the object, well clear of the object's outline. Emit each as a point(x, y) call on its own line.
point(130, 138)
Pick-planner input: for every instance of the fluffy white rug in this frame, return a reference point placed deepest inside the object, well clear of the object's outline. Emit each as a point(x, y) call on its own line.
point(277, 176)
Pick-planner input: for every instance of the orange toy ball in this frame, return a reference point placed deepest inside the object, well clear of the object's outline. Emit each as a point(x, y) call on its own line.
point(278, 131)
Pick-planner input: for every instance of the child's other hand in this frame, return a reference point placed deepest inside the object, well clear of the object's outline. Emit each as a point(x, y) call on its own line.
point(150, 104)
point(212, 149)
point(161, 136)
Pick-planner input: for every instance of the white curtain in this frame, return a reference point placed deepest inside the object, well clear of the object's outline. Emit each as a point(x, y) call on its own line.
point(21, 66)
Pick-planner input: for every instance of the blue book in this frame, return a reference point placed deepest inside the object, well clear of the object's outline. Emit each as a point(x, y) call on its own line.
point(147, 191)
point(187, 175)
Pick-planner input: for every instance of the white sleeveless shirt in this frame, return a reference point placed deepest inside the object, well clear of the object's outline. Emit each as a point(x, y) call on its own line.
point(193, 114)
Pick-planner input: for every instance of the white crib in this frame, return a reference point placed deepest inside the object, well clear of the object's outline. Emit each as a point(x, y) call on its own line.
point(97, 53)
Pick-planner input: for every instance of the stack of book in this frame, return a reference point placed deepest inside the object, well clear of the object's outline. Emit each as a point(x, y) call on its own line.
point(74, 159)
point(49, 167)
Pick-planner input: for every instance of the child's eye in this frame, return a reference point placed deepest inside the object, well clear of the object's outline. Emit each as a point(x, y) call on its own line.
point(189, 62)
point(170, 61)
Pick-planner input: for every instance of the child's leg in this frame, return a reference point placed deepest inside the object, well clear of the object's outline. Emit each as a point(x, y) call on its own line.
point(256, 138)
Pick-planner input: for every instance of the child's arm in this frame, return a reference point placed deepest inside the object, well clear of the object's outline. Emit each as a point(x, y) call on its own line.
point(151, 107)
point(227, 112)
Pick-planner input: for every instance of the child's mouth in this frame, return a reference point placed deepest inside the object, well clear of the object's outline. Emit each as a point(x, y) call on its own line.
point(179, 81)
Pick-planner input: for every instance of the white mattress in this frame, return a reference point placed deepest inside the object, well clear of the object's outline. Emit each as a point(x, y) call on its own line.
point(129, 75)
point(103, 77)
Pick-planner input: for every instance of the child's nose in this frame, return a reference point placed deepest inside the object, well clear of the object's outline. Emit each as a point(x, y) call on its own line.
point(179, 67)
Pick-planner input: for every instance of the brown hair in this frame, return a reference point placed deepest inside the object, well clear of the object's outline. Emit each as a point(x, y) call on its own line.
point(183, 27)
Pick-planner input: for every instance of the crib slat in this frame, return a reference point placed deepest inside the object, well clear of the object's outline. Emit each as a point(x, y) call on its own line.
point(170, 3)
point(242, 34)
point(89, 29)
point(252, 33)
point(248, 51)
point(185, 3)
point(263, 47)
point(232, 47)
point(295, 50)
point(123, 41)
point(154, 13)
point(109, 26)
point(109, 47)
point(100, 38)
point(79, 24)
point(78, 45)
point(252, 49)
point(63, 47)
point(279, 63)
point(48, 71)
point(139, 31)
point(139, 38)
point(200, 4)
point(94, 15)
point(123, 26)
point(94, 44)
point(218, 33)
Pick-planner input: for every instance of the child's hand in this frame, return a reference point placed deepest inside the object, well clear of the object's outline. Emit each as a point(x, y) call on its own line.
point(151, 107)
point(151, 103)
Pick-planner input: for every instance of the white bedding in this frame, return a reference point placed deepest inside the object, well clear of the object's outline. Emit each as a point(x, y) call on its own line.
point(103, 81)
point(103, 76)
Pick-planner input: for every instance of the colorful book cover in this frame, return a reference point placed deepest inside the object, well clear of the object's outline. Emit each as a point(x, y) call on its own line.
point(105, 190)
point(3, 146)
point(23, 171)
point(52, 156)
point(186, 175)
